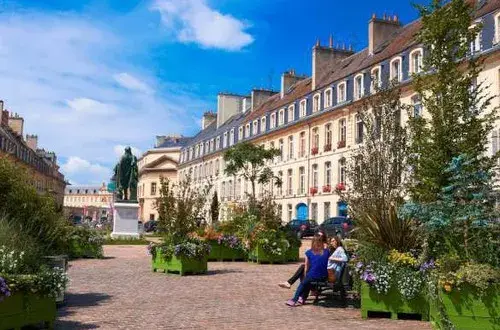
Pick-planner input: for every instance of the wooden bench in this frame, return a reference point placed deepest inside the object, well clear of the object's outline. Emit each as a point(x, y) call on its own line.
point(338, 289)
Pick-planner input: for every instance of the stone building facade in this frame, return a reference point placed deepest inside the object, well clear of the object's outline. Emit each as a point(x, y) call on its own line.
point(160, 161)
point(88, 201)
point(39, 163)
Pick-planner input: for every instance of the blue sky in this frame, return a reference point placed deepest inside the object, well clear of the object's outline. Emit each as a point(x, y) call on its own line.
point(92, 76)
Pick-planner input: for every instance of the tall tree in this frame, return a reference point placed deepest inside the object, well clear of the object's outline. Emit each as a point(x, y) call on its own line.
point(214, 208)
point(460, 116)
point(249, 161)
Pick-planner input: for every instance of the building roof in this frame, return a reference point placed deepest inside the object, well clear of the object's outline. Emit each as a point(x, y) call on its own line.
point(172, 142)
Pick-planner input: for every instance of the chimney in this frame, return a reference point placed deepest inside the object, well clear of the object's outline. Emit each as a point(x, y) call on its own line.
point(4, 115)
point(288, 79)
point(16, 124)
point(208, 118)
point(229, 105)
point(380, 30)
point(32, 141)
point(159, 140)
point(326, 59)
point(260, 96)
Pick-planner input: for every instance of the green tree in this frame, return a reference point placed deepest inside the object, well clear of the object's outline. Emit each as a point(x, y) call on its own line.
point(460, 116)
point(214, 208)
point(249, 161)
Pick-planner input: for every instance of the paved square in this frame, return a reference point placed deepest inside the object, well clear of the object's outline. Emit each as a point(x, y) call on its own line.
point(121, 292)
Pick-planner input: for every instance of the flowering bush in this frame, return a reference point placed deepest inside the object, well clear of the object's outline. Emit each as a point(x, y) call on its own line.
point(231, 241)
point(10, 261)
point(47, 282)
point(85, 243)
point(273, 242)
point(191, 248)
point(4, 289)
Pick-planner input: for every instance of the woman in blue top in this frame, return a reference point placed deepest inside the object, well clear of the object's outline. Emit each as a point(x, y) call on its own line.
point(316, 261)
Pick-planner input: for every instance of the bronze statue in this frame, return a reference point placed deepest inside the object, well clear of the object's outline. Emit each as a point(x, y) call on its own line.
point(125, 176)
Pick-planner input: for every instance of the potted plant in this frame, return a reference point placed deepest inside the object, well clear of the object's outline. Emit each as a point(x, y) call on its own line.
point(314, 151)
point(313, 190)
point(186, 257)
point(327, 188)
point(327, 147)
point(85, 242)
point(269, 246)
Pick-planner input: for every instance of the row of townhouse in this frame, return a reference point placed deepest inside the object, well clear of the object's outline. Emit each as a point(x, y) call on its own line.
point(313, 120)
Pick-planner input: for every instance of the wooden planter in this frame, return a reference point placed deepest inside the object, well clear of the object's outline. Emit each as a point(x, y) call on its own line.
point(214, 251)
point(392, 305)
point(220, 252)
point(467, 310)
point(181, 265)
point(260, 256)
point(22, 309)
point(292, 255)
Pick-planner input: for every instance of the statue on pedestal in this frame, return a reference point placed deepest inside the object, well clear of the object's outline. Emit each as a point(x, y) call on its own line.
point(126, 176)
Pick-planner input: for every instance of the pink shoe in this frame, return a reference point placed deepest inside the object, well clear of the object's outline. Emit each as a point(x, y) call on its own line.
point(301, 301)
point(291, 303)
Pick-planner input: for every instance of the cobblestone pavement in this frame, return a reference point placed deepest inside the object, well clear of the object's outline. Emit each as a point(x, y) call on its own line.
point(121, 292)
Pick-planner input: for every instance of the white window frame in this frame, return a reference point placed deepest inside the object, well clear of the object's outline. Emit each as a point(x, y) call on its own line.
point(328, 173)
point(240, 133)
point(399, 74)
point(420, 62)
point(302, 144)
point(291, 150)
point(375, 82)
point(359, 91)
point(343, 130)
point(316, 102)
point(476, 43)
point(272, 119)
point(342, 92)
point(263, 124)
point(302, 180)
point(328, 101)
point(281, 117)
point(217, 143)
point(416, 100)
point(212, 145)
point(291, 113)
point(328, 135)
point(303, 108)
point(224, 140)
point(231, 137)
point(315, 176)
point(255, 127)
point(496, 38)
point(342, 170)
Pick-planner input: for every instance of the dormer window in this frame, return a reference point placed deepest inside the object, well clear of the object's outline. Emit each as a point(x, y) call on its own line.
point(217, 143)
point(255, 127)
point(416, 61)
point(247, 130)
point(263, 124)
point(376, 81)
point(281, 117)
point(316, 102)
point(475, 45)
point(396, 73)
point(212, 144)
point(291, 113)
point(240, 133)
point(224, 140)
point(272, 119)
point(358, 86)
point(302, 108)
point(201, 148)
point(231, 137)
point(496, 40)
point(196, 151)
point(328, 98)
point(342, 92)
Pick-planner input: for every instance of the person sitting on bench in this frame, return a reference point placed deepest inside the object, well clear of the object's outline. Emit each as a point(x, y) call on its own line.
point(337, 260)
point(315, 270)
point(300, 271)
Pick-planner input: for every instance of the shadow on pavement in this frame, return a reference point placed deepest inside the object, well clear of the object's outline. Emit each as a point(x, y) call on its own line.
point(74, 325)
point(80, 300)
point(223, 271)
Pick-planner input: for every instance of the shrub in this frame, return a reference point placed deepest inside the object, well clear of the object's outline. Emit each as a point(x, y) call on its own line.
point(85, 242)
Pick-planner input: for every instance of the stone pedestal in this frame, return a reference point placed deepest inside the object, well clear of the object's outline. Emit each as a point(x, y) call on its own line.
point(125, 219)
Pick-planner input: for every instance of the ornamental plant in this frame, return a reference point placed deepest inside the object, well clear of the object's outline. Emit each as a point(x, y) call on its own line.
point(190, 248)
point(273, 242)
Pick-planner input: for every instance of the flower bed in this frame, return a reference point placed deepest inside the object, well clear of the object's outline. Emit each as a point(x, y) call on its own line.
point(467, 308)
point(22, 309)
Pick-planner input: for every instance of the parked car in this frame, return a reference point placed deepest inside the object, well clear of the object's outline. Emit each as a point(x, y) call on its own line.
point(150, 226)
point(303, 228)
point(341, 226)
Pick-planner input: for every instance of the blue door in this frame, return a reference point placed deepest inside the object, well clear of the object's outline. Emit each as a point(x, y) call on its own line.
point(342, 209)
point(302, 211)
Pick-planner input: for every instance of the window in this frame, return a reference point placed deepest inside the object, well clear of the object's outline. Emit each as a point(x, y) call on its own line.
point(342, 92)
point(281, 117)
point(290, 211)
point(231, 137)
point(316, 102)
point(417, 105)
point(247, 130)
point(303, 108)
point(255, 127)
point(358, 87)
point(280, 187)
point(475, 45)
point(224, 140)
point(216, 167)
point(326, 210)
point(328, 98)
point(302, 144)
point(291, 113)
point(315, 141)
point(262, 124)
point(314, 211)
point(328, 174)
point(290, 182)
point(290, 147)
point(281, 147)
point(328, 137)
point(342, 171)
point(240, 133)
point(495, 142)
point(217, 143)
point(396, 71)
point(342, 130)
point(497, 29)
point(272, 119)
point(212, 145)
point(223, 190)
point(416, 61)
point(359, 129)
point(153, 188)
point(315, 175)
point(196, 151)
point(302, 181)
point(201, 149)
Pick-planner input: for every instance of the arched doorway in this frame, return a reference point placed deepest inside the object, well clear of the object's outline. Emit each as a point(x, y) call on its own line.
point(302, 211)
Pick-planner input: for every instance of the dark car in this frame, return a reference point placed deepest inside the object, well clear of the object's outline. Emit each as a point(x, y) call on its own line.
point(341, 226)
point(150, 226)
point(303, 228)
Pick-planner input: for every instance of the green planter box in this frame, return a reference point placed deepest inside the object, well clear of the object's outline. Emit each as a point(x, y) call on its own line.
point(292, 254)
point(182, 266)
point(393, 303)
point(214, 251)
point(22, 309)
point(467, 310)
point(260, 256)
point(229, 254)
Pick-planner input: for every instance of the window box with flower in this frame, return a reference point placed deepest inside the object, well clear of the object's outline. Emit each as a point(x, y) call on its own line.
point(327, 147)
point(327, 188)
point(341, 144)
point(313, 190)
point(314, 151)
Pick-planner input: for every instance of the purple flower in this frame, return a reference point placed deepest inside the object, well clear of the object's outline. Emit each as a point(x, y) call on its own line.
point(368, 277)
point(359, 265)
point(4, 289)
point(427, 265)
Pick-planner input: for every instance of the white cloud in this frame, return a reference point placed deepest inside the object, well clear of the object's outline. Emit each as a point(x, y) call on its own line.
point(92, 173)
point(85, 105)
point(132, 83)
point(120, 149)
point(194, 21)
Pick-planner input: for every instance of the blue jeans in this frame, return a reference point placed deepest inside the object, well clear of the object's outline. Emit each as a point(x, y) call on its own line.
point(304, 287)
